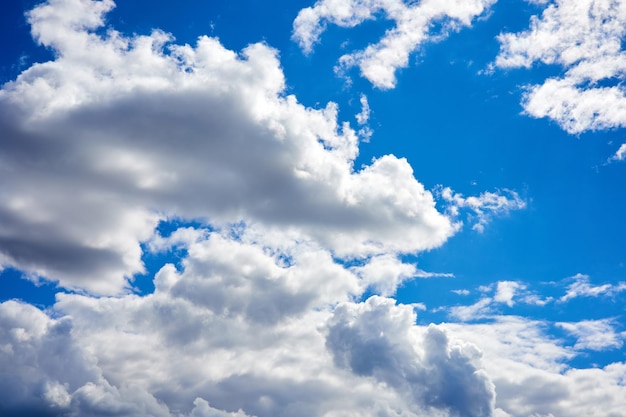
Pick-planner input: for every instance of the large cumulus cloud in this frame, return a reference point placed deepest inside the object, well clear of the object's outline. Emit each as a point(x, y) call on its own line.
point(120, 132)
point(274, 345)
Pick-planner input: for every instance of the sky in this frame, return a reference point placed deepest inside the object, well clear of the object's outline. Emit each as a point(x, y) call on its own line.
point(317, 209)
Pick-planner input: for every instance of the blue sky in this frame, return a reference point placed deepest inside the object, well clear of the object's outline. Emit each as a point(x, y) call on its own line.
point(332, 208)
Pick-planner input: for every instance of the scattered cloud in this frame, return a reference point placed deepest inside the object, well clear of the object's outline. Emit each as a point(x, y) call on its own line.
point(492, 297)
point(620, 155)
point(480, 309)
point(594, 334)
point(506, 290)
point(483, 206)
point(585, 39)
point(581, 287)
point(364, 116)
point(414, 22)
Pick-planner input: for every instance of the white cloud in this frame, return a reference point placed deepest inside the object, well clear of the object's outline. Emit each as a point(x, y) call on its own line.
point(364, 116)
point(488, 306)
point(480, 309)
point(413, 23)
point(385, 273)
point(142, 130)
point(377, 339)
point(594, 334)
point(234, 333)
point(261, 316)
point(585, 39)
point(580, 287)
point(483, 206)
point(527, 367)
point(506, 290)
point(620, 155)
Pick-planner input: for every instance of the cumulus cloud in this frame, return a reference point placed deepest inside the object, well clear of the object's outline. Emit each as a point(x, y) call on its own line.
point(529, 370)
point(268, 344)
point(413, 28)
point(377, 339)
point(585, 39)
point(118, 134)
point(364, 116)
point(264, 315)
point(143, 129)
point(506, 290)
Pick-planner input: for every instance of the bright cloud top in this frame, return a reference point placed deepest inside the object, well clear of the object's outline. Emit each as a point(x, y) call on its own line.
point(585, 38)
point(414, 20)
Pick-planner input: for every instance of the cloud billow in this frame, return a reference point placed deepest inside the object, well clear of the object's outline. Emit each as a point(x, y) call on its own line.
point(142, 129)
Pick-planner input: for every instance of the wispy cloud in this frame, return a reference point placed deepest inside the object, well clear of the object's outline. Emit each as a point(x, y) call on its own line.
point(581, 287)
point(413, 28)
point(483, 207)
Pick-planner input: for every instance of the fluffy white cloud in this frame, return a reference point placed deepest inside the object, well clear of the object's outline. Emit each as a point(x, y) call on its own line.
point(364, 116)
point(236, 332)
point(120, 132)
point(506, 290)
point(585, 39)
point(527, 367)
point(378, 339)
point(413, 27)
point(262, 316)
